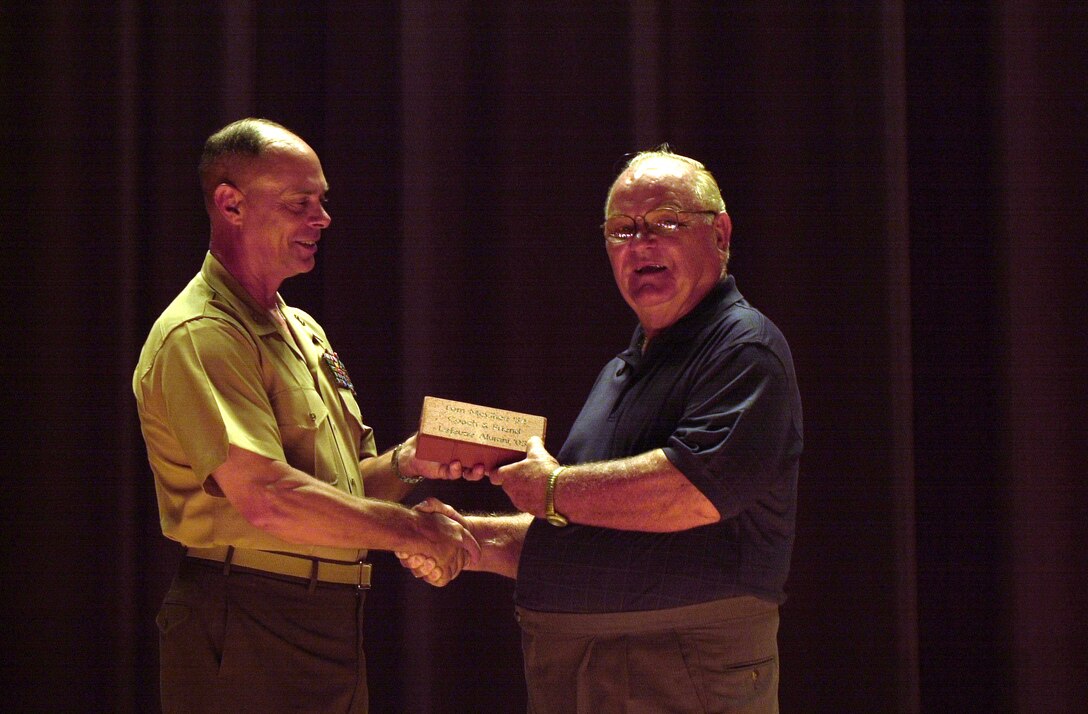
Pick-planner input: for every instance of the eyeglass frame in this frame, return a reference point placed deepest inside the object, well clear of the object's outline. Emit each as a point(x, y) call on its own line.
point(646, 225)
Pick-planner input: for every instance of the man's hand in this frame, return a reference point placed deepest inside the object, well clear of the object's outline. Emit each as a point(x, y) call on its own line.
point(411, 465)
point(447, 548)
point(500, 539)
point(525, 481)
point(426, 567)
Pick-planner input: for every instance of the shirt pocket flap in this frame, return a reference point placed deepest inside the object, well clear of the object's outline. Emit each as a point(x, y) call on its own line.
point(300, 416)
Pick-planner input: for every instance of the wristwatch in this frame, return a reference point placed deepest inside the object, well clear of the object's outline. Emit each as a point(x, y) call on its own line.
point(550, 514)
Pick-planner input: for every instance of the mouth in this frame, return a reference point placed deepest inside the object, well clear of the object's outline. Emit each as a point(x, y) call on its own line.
point(650, 269)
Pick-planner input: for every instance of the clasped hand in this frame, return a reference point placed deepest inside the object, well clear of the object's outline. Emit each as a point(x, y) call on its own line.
point(451, 546)
point(523, 482)
point(429, 569)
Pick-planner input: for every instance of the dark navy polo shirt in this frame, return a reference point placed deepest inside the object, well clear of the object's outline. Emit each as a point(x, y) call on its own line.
point(717, 392)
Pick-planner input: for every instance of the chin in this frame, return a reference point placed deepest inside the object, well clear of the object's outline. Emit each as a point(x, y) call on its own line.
point(648, 298)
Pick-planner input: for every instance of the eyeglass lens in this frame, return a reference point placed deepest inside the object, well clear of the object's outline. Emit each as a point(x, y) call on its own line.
point(660, 221)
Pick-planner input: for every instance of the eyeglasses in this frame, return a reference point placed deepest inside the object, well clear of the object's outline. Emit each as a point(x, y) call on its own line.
point(620, 228)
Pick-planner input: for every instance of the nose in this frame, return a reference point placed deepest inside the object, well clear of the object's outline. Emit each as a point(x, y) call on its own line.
point(321, 219)
point(646, 232)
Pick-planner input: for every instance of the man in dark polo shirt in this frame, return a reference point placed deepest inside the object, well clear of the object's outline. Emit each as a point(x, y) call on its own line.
point(651, 554)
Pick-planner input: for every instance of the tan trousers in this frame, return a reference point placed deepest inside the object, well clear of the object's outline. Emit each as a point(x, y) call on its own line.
point(718, 657)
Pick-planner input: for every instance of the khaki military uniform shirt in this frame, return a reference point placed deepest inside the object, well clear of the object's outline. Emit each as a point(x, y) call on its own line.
point(218, 370)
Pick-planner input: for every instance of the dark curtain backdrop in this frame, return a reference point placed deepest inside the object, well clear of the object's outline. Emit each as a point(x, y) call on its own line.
point(907, 184)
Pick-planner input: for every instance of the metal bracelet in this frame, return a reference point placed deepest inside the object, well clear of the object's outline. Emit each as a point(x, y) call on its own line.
point(411, 480)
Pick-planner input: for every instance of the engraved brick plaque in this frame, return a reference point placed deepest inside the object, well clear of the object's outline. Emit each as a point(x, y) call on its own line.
point(474, 434)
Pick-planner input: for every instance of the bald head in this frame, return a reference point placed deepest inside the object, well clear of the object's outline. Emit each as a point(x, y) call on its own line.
point(231, 153)
point(663, 162)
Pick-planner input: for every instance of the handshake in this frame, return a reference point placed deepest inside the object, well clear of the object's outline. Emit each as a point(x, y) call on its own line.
point(456, 542)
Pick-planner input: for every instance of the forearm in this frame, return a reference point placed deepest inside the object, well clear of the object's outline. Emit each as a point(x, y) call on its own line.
point(387, 480)
point(500, 539)
point(294, 506)
point(301, 509)
point(642, 493)
point(379, 480)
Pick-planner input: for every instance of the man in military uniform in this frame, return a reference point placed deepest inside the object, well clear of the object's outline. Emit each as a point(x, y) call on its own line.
point(264, 469)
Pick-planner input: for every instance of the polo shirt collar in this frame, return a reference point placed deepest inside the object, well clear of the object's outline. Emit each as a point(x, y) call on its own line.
point(722, 295)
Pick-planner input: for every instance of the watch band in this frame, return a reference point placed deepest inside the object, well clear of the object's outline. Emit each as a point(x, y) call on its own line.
point(395, 463)
point(551, 515)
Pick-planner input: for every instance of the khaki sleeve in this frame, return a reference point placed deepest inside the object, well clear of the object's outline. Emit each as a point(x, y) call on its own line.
point(214, 396)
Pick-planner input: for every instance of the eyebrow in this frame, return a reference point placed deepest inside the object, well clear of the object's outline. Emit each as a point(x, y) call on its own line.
point(305, 191)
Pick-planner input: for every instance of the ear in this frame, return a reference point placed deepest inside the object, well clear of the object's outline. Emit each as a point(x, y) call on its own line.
point(723, 229)
point(228, 202)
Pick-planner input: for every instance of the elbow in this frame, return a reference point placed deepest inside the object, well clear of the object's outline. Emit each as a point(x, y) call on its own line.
point(264, 509)
point(263, 491)
point(694, 511)
point(695, 518)
point(708, 515)
point(262, 516)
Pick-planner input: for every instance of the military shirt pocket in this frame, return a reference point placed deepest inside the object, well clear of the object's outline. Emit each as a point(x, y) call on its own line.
point(355, 420)
point(302, 419)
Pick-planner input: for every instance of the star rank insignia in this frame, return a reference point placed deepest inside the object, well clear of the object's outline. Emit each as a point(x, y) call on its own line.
point(339, 372)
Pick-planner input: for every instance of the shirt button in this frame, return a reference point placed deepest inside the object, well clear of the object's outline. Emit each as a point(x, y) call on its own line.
point(313, 417)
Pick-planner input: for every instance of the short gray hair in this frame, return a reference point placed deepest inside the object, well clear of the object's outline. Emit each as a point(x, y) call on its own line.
point(243, 140)
point(703, 182)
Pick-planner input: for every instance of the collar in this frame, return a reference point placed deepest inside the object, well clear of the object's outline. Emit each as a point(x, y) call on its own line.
point(231, 291)
point(722, 295)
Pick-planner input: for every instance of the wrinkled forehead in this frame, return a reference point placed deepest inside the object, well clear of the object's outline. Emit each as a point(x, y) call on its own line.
point(651, 183)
